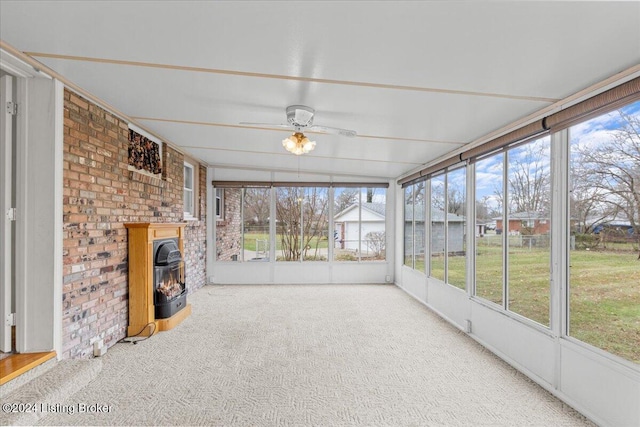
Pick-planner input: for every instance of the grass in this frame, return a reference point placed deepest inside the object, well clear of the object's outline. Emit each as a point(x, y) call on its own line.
point(604, 291)
point(250, 240)
point(605, 301)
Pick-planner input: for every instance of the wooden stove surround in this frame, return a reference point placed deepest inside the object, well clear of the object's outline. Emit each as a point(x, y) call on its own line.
point(142, 321)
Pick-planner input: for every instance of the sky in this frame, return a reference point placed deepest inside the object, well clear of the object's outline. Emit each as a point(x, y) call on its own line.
point(589, 133)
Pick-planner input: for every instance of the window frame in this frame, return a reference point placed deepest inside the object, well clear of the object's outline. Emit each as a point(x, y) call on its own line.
point(273, 186)
point(218, 205)
point(192, 214)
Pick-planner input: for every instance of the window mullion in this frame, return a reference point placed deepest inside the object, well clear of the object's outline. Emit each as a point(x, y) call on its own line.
point(359, 224)
point(505, 231)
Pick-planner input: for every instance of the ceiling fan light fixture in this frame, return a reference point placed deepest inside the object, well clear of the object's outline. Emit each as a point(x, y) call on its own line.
point(298, 144)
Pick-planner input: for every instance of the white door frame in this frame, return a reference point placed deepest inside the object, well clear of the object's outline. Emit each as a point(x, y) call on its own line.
point(6, 234)
point(39, 192)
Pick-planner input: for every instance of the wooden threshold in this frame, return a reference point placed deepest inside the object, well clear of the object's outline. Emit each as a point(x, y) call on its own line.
point(17, 364)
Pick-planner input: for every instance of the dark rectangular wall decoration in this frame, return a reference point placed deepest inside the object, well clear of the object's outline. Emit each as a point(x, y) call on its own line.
point(144, 153)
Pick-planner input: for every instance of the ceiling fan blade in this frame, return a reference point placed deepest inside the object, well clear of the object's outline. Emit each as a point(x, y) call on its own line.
point(271, 125)
point(333, 131)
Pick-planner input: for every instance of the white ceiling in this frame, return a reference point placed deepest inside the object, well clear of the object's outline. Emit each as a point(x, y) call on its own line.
point(416, 80)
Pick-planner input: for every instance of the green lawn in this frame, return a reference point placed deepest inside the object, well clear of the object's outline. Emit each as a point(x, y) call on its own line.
point(605, 301)
point(604, 293)
point(250, 242)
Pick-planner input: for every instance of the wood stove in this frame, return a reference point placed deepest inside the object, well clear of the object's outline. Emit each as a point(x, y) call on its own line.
point(170, 294)
point(157, 291)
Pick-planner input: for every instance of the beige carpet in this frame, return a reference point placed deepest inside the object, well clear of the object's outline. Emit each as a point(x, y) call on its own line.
point(329, 355)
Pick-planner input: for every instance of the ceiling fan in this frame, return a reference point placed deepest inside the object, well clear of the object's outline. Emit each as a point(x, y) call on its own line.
point(300, 117)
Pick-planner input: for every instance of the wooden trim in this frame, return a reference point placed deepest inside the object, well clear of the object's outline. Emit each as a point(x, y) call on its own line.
point(578, 97)
point(46, 71)
point(288, 77)
point(226, 125)
point(268, 184)
point(17, 364)
point(173, 321)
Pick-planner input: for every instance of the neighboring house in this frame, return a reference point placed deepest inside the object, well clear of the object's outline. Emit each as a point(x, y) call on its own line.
point(346, 224)
point(481, 228)
point(614, 224)
point(526, 223)
point(373, 218)
point(456, 234)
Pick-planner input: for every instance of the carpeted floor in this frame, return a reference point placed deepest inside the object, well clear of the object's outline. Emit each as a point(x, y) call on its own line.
point(330, 355)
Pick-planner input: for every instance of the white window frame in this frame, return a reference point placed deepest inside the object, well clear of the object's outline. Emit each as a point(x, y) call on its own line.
point(219, 207)
point(190, 214)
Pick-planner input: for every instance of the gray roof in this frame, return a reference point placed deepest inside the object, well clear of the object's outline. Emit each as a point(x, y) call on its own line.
point(380, 209)
point(437, 215)
point(377, 208)
point(525, 215)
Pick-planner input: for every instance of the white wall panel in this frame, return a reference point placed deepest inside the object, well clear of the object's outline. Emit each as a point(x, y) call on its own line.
point(520, 343)
point(608, 392)
point(451, 302)
point(414, 282)
point(365, 272)
point(241, 273)
point(295, 272)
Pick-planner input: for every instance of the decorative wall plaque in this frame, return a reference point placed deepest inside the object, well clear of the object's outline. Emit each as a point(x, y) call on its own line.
point(144, 153)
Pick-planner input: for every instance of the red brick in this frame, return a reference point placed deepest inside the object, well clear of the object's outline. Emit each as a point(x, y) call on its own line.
point(99, 196)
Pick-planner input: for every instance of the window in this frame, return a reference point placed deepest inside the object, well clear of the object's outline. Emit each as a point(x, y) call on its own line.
point(604, 219)
point(528, 242)
point(518, 251)
point(315, 224)
point(219, 204)
point(255, 224)
point(298, 230)
point(415, 248)
point(189, 179)
point(419, 213)
point(408, 225)
point(447, 236)
point(346, 224)
point(456, 228)
point(359, 223)
point(302, 223)
point(437, 235)
point(489, 179)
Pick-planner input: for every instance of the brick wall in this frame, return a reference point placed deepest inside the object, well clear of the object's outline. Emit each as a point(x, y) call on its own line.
point(195, 245)
point(229, 229)
point(100, 195)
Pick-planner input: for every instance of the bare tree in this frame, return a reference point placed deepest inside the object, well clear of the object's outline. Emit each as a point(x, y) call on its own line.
point(346, 198)
point(456, 192)
point(418, 195)
point(587, 202)
point(615, 166)
point(529, 178)
point(302, 220)
point(437, 193)
point(315, 220)
point(289, 219)
point(256, 206)
point(376, 241)
point(484, 210)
